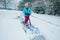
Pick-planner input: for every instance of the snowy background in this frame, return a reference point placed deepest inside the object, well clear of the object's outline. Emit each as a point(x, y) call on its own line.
point(50, 7)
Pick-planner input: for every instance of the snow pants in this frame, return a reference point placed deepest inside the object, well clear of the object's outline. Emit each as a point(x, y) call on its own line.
point(26, 18)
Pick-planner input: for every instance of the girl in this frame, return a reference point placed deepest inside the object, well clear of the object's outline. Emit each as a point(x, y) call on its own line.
point(27, 13)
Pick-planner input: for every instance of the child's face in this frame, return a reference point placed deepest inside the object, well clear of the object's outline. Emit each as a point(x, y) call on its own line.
point(26, 6)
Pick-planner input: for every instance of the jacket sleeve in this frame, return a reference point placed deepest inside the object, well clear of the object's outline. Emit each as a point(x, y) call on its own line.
point(30, 11)
point(24, 10)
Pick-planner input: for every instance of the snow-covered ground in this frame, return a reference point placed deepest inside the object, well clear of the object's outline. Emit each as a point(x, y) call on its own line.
point(48, 25)
point(11, 28)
